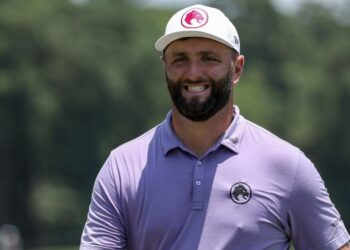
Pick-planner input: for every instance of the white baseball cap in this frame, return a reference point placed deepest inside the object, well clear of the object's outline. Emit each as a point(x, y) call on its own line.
point(200, 21)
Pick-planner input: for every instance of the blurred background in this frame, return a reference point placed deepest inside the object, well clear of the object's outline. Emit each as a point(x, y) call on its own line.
point(80, 77)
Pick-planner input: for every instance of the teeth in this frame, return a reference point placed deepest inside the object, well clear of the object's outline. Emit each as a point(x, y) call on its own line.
point(196, 88)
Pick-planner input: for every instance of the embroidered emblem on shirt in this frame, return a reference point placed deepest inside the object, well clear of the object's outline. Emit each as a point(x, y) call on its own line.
point(240, 193)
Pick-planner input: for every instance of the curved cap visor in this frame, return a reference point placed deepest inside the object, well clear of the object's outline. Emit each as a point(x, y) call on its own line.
point(165, 40)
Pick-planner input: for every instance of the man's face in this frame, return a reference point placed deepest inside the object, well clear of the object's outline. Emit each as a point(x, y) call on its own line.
point(199, 76)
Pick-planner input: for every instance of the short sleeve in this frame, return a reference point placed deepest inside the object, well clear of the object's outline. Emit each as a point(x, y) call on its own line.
point(104, 228)
point(313, 219)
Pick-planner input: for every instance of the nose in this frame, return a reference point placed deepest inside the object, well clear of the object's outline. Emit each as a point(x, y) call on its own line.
point(194, 71)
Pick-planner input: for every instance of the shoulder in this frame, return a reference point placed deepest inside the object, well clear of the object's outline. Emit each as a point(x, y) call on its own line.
point(279, 161)
point(139, 144)
point(261, 134)
point(126, 162)
point(269, 144)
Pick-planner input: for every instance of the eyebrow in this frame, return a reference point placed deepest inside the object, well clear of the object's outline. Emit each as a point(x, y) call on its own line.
point(202, 52)
point(178, 54)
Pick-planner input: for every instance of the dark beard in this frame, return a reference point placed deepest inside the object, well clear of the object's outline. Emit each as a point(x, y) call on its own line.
point(195, 110)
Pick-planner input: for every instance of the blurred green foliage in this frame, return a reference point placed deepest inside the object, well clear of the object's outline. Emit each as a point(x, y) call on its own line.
point(77, 78)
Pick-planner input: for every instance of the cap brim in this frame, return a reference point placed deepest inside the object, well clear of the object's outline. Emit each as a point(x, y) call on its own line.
point(165, 40)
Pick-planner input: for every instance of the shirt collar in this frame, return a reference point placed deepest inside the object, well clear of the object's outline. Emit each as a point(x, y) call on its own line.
point(233, 136)
point(231, 139)
point(169, 139)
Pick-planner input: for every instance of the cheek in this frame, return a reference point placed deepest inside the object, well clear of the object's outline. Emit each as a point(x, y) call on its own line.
point(173, 73)
point(219, 73)
point(215, 72)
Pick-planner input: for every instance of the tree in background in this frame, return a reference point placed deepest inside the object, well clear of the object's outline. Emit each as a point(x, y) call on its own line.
point(77, 78)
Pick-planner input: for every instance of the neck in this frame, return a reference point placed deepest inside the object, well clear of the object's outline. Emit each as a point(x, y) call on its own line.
point(200, 136)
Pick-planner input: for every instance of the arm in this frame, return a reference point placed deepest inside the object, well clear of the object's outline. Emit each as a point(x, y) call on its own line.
point(345, 247)
point(104, 228)
point(314, 221)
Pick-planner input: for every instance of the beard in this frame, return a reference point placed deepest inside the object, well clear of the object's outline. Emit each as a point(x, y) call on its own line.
point(194, 109)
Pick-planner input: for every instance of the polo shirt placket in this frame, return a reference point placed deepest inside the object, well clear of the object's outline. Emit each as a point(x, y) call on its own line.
point(198, 186)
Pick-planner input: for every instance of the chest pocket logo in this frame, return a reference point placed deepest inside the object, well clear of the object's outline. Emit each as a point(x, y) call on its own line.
point(240, 193)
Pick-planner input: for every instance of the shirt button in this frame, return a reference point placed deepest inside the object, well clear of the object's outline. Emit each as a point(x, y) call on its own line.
point(234, 140)
point(198, 183)
point(199, 163)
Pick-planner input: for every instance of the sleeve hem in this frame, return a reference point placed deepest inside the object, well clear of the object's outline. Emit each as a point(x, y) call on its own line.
point(95, 247)
point(336, 243)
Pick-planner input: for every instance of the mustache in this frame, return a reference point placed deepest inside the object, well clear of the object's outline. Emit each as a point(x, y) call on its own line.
point(189, 81)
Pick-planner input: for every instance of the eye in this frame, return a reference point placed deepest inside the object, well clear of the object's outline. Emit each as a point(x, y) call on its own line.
point(209, 58)
point(179, 59)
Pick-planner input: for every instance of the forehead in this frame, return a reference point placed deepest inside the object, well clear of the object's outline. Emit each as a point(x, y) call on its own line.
point(194, 45)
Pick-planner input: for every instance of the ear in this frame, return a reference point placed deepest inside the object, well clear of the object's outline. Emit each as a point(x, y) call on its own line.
point(162, 59)
point(238, 65)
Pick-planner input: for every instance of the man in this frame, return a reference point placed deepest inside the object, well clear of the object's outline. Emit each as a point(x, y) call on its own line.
point(207, 178)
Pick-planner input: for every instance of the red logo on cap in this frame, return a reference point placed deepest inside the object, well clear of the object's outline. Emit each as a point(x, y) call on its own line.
point(194, 18)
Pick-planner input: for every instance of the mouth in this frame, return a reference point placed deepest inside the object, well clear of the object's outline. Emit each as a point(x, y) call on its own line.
point(196, 88)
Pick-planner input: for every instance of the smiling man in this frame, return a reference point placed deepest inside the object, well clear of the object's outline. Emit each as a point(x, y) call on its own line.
point(206, 177)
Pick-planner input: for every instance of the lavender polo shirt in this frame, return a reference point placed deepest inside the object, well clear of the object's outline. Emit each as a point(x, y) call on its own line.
point(251, 190)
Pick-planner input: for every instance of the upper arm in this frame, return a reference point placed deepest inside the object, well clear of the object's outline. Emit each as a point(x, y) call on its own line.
point(104, 228)
point(345, 247)
point(314, 221)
